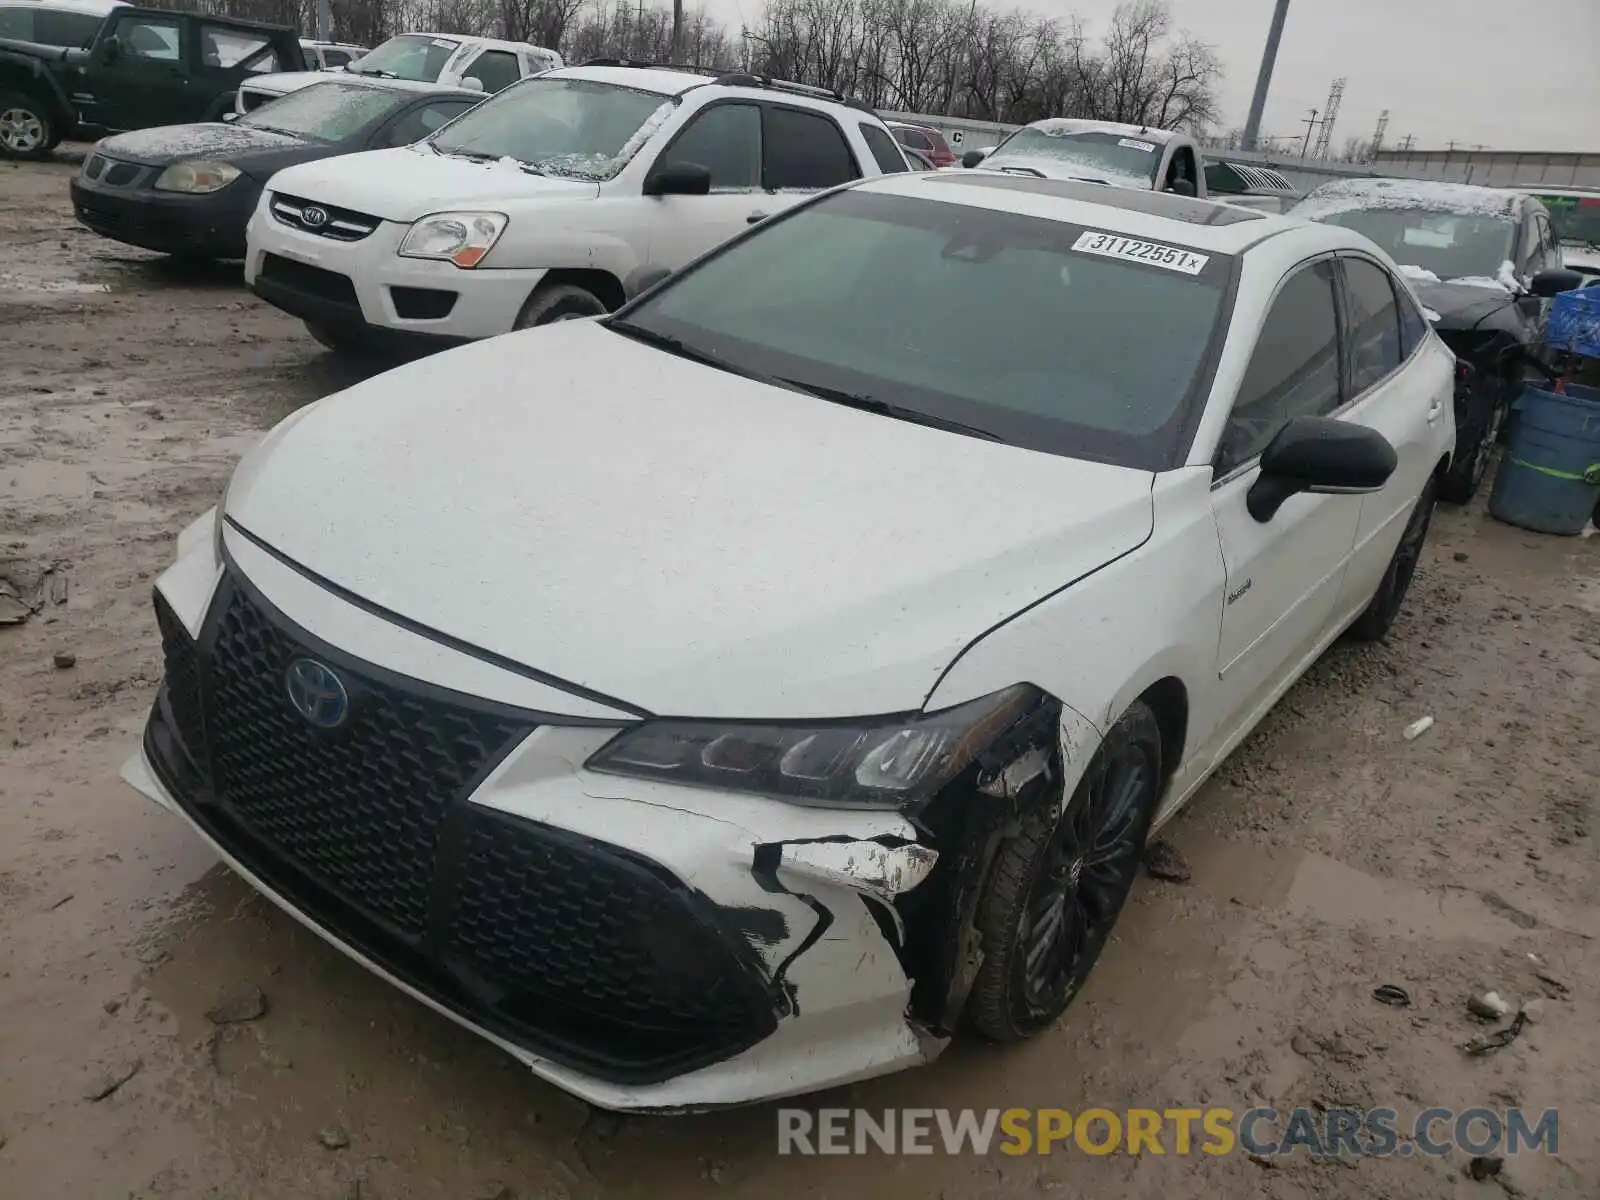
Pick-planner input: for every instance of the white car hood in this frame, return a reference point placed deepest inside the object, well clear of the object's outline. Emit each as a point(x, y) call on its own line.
point(281, 83)
point(406, 183)
point(685, 540)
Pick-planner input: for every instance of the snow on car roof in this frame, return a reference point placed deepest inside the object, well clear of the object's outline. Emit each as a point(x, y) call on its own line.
point(645, 79)
point(1066, 125)
point(1350, 195)
point(1203, 224)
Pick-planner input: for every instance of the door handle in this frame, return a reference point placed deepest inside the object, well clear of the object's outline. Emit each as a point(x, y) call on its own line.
point(755, 218)
point(1435, 410)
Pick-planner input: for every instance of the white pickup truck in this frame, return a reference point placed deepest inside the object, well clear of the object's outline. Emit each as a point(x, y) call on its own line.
point(479, 63)
point(1135, 156)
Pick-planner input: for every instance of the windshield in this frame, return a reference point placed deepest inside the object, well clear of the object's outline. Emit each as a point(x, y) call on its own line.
point(326, 112)
point(1447, 244)
point(573, 127)
point(409, 56)
point(1109, 157)
point(1576, 218)
point(959, 315)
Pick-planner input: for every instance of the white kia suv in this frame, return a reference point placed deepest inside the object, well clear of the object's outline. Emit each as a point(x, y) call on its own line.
point(545, 201)
point(736, 695)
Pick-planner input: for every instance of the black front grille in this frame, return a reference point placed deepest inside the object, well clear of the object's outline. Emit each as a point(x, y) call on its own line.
point(582, 952)
point(324, 220)
point(93, 166)
point(359, 807)
point(121, 174)
point(422, 304)
point(309, 280)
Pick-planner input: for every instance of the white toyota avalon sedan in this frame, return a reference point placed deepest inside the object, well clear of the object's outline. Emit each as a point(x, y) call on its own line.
point(739, 694)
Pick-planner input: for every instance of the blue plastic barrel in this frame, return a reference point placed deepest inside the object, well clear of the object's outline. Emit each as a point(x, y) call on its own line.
point(1549, 475)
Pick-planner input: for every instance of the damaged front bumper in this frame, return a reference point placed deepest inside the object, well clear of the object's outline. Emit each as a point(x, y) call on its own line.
point(645, 946)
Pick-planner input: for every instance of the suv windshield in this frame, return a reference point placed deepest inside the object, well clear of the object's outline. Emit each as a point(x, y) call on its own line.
point(326, 112)
point(574, 127)
point(1031, 331)
point(410, 56)
point(1448, 244)
point(1576, 218)
point(1108, 157)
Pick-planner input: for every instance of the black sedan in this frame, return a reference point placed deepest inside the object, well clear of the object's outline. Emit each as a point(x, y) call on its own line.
point(189, 190)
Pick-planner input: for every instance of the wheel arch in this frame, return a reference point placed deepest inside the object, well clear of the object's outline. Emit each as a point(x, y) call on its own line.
point(605, 286)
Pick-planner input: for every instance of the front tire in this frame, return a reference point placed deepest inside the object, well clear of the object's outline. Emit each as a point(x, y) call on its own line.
point(1375, 622)
point(26, 128)
point(1475, 441)
point(559, 302)
point(1060, 882)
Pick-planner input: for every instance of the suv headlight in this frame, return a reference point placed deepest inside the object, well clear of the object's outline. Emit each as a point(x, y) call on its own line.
point(196, 177)
point(462, 238)
point(871, 762)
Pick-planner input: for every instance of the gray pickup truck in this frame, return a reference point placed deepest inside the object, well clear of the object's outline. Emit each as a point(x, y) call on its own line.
point(145, 67)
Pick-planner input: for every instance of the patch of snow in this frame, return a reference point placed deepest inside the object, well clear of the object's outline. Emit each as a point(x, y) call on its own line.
point(1347, 195)
point(1420, 274)
point(1066, 126)
point(1431, 315)
point(177, 141)
point(1480, 281)
point(1507, 277)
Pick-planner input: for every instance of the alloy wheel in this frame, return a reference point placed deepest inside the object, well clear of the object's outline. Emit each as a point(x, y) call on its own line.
point(1085, 875)
point(21, 130)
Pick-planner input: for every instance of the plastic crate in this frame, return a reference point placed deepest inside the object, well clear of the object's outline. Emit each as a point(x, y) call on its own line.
point(1575, 322)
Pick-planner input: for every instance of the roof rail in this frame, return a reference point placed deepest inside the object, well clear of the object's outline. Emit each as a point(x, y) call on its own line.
point(643, 64)
point(746, 79)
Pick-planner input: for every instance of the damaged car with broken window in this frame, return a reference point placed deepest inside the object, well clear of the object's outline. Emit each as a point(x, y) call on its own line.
point(742, 693)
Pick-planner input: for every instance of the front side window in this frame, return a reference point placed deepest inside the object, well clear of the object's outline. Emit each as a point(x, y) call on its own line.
point(577, 128)
point(1374, 323)
point(55, 28)
point(1293, 371)
point(806, 151)
point(154, 39)
point(1447, 245)
point(1004, 323)
point(725, 139)
point(495, 69)
point(327, 112)
point(1576, 218)
point(884, 151)
point(414, 56)
point(1106, 157)
point(335, 58)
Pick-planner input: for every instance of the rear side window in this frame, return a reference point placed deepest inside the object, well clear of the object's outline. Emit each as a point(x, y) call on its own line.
point(17, 23)
point(726, 140)
point(335, 58)
point(154, 38)
point(914, 138)
point(495, 68)
point(1293, 371)
point(1375, 343)
point(806, 150)
point(223, 47)
point(884, 152)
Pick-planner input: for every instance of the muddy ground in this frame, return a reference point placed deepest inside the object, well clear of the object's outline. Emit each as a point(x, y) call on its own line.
point(1330, 857)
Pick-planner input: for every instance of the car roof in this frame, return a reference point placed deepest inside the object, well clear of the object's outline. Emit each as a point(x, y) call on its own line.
point(1158, 216)
point(1144, 133)
point(1350, 195)
point(474, 39)
point(94, 8)
point(667, 80)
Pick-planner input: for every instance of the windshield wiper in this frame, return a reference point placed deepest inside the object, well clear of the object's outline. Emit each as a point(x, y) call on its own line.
point(677, 346)
point(469, 155)
point(884, 408)
point(375, 72)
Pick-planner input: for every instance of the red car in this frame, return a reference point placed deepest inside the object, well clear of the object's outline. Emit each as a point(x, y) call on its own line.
point(929, 143)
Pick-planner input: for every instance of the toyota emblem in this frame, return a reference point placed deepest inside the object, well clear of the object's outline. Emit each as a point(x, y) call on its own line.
point(317, 693)
point(313, 216)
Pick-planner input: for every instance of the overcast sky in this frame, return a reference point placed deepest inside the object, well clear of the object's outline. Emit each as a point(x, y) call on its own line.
point(1513, 76)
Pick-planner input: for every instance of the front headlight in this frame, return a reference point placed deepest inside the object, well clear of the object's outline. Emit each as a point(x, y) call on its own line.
point(874, 762)
point(196, 177)
point(462, 238)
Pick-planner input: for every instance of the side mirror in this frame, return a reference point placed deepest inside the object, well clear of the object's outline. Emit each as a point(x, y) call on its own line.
point(678, 179)
point(1555, 280)
point(973, 157)
point(109, 51)
point(644, 279)
point(472, 83)
point(1183, 187)
point(1319, 454)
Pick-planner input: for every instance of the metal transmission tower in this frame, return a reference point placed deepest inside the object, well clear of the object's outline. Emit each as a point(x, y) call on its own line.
point(1330, 114)
point(1377, 136)
point(1269, 56)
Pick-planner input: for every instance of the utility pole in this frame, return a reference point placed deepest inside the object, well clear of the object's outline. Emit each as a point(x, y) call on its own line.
point(1377, 135)
point(677, 30)
point(1310, 123)
point(324, 21)
point(1407, 142)
point(1269, 58)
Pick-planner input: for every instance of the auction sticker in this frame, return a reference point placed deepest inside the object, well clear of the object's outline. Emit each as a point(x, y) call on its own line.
point(1114, 245)
point(1133, 145)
